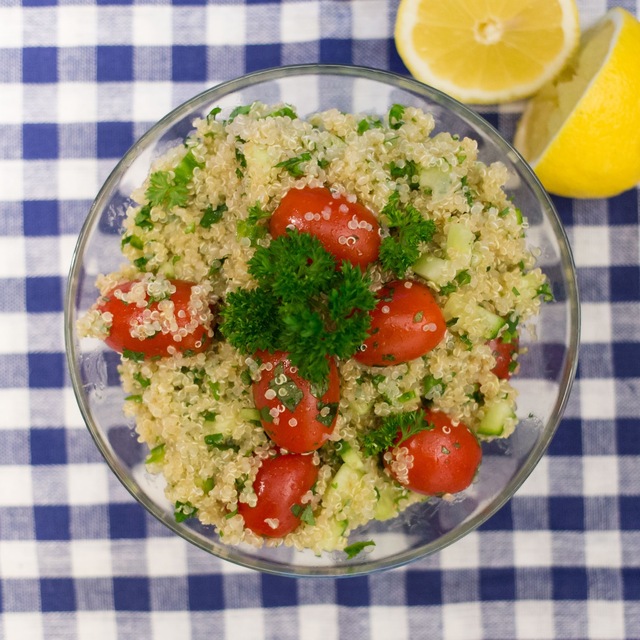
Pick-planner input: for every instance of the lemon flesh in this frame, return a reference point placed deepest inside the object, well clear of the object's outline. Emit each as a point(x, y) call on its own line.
point(489, 51)
point(581, 132)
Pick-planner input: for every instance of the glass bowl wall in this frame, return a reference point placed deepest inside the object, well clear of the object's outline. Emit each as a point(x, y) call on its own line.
point(544, 382)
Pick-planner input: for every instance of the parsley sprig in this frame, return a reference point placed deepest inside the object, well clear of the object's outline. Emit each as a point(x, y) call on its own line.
point(408, 230)
point(394, 430)
point(169, 192)
point(303, 305)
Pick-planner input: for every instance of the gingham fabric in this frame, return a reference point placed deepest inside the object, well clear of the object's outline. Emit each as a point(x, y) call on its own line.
point(79, 82)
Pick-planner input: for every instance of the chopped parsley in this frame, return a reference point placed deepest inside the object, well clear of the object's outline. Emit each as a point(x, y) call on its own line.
point(239, 111)
point(304, 513)
point(394, 430)
point(183, 511)
point(302, 305)
point(545, 291)
point(396, 115)
point(354, 549)
point(293, 165)
point(253, 227)
point(211, 216)
point(136, 356)
point(218, 441)
point(156, 455)
point(285, 111)
point(409, 171)
point(143, 218)
point(165, 191)
point(369, 123)
point(285, 388)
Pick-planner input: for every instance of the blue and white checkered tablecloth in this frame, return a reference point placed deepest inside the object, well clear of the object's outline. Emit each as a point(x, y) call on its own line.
point(79, 82)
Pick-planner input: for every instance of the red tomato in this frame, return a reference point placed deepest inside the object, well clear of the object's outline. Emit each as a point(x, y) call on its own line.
point(151, 330)
point(292, 414)
point(406, 324)
point(445, 458)
point(346, 229)
point(503, 353)
point(280, 484)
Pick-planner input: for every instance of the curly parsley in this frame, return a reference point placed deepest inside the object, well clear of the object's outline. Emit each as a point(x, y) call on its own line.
point(394, 430)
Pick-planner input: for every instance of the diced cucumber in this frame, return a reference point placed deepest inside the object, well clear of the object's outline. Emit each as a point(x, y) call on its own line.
point(460, 239)
point(386, 506)
point(249, 414)
point(350, 456)
point(495, 418)
point(260, 160)
point(434, 269)
point(345, 480)
point(528, 285)
point(434, 180)
point(476, 320)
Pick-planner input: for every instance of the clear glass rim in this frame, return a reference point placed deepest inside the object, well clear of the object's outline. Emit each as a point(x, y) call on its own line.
point(570, 362)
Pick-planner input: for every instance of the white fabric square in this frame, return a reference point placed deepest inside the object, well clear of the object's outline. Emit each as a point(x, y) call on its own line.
point(606, 620)
point(66, 247)
point(13, 334)
point(299, 21)
point(90, 559)
point(151, 101)
point(12, 183)
point(23, 625)
point(77, 179)
point(537, 484)
point(462, 555)
point(97, 625)
point(370, 19)
point(41, 257)
point(596, 323)
point(318, 622)
point(19, 417)
point(77, 102)
point(11, 255)
point(11, 107)
point(87, 484)
point(600, 475)
point(462, 620)
point(603, 549)
point(532, 548)
point(11, 27)
point(152, 25)
point(244, 623)
point(18, 559)
point(166, 556)
point(77, 25)
point(590, 246)
point(387, 622)
point(72, 416)
point(169, 625)
point(534, 620)
point(597, 399)
point(226, 24)
point(16, 489)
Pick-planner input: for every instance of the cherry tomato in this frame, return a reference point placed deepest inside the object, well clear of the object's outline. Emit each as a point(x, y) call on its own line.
point(406, 324)
point(182, 321)
point(503, 353)
point(280, 484)
point(445, 458)
point(296, 415)
point(346, 229)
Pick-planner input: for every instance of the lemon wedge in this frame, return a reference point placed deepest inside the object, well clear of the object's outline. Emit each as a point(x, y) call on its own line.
point(486, 51)
point(581, 133)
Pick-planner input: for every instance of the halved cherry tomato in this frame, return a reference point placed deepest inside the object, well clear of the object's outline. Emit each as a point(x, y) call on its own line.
point(445, 458)
point(346, 229)
point(503, 353)
point(181, 322)
point(280, 484)
point(406, 324)
point(296, 415)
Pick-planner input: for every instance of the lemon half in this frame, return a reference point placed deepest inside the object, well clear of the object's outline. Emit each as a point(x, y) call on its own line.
point(486, 51)
point(581, 133)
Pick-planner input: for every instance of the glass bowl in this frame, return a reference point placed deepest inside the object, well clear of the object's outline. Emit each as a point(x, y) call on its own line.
point(544, 382)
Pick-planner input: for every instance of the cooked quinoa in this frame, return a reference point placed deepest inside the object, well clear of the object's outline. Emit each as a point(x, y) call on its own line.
point(253, 158)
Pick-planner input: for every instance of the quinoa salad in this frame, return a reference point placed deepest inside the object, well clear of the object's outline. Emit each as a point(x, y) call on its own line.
point(318, 319)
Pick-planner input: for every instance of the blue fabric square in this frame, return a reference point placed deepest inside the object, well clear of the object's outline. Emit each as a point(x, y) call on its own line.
point(127, 520)
point(114, 64)
point(628, 436)
point(497, 584)
point(335, 51)
point(205, 593)
point(189, 63)
point(44, 294)
point(566, 513)
point(113, 2)
point(262, 56)
point(631, 583)
point(629, 513)
point(278, 591)
point(567, 440)
point(569, 583)
point(39, 64)
point(353, 592)
point(188, 2)
point(423, 588)
point(626, 358)
point(40, 217)
point(564, 207)
point(40, 141)
point(46, 370)
point(51, 522)
point(623, 209)
point(39, 3)
point(625, 284)
point(395, 61)
point(131, 594)
point(114, 138)
point(57, 594)
point(48, 446)
point(502, 520)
